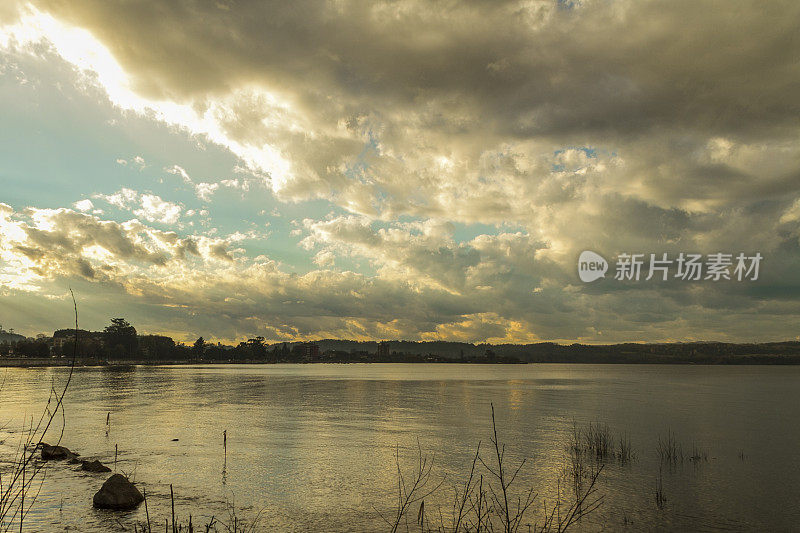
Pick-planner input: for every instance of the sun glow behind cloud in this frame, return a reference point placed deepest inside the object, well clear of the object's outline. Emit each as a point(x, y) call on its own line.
point(81, 49)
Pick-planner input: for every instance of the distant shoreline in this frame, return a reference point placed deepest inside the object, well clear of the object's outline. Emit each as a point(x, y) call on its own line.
point(756, 360)
point(121, 344)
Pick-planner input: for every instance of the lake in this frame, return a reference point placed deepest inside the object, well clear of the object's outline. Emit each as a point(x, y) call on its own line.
point(312, 447)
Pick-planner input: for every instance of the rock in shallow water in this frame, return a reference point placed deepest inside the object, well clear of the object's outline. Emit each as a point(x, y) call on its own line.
point(56, 453)
point(94, 466)
point(118, 493)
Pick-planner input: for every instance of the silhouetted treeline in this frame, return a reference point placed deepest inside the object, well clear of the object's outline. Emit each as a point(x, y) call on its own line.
point(25, 348)
point(119, 341)
point(694, 352)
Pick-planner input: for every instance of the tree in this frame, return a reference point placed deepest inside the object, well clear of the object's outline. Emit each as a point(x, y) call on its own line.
point(252, 349)
point(199, 347)
point(121, 333)
point(257, 348)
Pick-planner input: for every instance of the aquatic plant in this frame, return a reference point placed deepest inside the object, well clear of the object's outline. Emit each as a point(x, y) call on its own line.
point(20, 480)
point(624, 452)
point(661, 499)
point(488, 500)
point(233, 523)
point(669, 449)
point(598, 440)
point(698, 454)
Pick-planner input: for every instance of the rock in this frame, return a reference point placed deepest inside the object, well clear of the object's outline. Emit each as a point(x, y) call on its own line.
point(57, 453)
point(74, 461)
point(175, 440)
point(118, 493)
point(94, 466)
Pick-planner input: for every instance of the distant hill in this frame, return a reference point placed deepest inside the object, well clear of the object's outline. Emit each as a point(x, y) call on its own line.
point(450, 350)
point(703, 352)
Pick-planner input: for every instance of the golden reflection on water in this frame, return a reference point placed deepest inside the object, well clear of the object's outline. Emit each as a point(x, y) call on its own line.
point(515, 393)
point(314, 445)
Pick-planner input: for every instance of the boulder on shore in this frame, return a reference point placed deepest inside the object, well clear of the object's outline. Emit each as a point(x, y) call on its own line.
point(94, 466)
point(56, 453)
point(118, 494)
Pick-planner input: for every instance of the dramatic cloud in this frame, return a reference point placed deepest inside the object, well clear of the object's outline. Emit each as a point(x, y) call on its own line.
point(47, 243)
point(446, 97)
point(466, 152)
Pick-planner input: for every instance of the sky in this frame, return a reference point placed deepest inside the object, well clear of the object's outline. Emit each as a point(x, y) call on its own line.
point(398, 169)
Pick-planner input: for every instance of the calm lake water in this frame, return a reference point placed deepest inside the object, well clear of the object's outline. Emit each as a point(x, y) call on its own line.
point(312, 447)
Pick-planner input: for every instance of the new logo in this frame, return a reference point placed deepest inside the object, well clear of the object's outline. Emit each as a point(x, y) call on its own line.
point(591, 266)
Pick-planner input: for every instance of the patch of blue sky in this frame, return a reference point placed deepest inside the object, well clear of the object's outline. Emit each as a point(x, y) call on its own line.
point(589, 151)
point(359, 166)
point(567, 5)
point(467, 232)
point(59, 144)
point(277, 222)
point(356, 264)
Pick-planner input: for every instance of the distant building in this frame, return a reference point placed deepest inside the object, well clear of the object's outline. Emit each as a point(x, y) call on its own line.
point(307, 350)
point(383, 349)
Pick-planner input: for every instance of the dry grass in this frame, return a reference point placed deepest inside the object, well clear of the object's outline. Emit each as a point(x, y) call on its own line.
point(232, 523)
point(699, 455)
point(22, 478)
point(598, 440)
point(669, 449)
point(624, 452)
point(488, 499)
point(661, 499)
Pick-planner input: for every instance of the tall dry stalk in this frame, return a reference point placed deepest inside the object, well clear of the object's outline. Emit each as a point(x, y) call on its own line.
point(17, 494)
point(488, 501)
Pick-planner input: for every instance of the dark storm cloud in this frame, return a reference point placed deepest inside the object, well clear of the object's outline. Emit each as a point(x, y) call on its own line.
point(522, 68)
point(619, 126)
